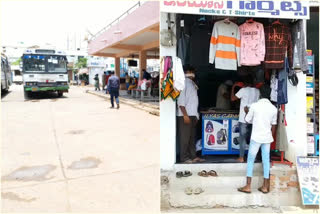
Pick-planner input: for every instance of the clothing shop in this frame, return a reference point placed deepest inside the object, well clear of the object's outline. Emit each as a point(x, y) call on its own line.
point(230, 44)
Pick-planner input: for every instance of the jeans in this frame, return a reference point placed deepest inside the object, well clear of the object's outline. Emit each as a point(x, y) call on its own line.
point(245, 133)
point(265, 152)
point(114, 93)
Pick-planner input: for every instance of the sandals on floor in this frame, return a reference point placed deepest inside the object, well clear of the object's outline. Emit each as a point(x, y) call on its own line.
point(198, 191)
point(264, 192)
point(242, 190)
point(212, 173)
point(181, 174)
point(188, 190)
point(187, 174)
point(203, 173)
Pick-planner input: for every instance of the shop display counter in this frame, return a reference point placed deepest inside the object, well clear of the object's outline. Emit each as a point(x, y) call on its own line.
point(220, 132)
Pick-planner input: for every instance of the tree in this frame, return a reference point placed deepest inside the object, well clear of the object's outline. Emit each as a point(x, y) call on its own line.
point(82, 63)
point(16, 62)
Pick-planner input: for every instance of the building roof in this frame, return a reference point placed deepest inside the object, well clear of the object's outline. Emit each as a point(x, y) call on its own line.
point(126, 36)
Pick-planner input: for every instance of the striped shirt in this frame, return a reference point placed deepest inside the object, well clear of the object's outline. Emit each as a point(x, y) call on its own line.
point(225, 46)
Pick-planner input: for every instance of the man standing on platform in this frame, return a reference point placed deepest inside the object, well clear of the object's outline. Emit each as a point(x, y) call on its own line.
point(113, 89)
point(188, 117)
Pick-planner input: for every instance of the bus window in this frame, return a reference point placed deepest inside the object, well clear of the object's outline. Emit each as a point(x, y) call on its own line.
point(34, 63)
point(57, 64)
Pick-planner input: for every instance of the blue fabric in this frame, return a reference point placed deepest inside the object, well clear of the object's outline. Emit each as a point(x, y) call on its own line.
point(113, 82)
point(265, 152)
point(282, 84)
point(127, 85)
point(245, 130)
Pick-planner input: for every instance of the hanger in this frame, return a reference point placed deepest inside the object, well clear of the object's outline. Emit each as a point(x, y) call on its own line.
point(226, 20)
point(250, 20)
point(277, 22)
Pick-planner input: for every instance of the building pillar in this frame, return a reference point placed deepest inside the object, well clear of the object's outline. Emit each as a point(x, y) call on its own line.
point(142, 62)
point(117, 66)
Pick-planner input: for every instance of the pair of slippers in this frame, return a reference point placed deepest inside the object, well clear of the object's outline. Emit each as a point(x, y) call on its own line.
point(196, 191)
point(242, 189)
point(204, 173)
point(181, 174)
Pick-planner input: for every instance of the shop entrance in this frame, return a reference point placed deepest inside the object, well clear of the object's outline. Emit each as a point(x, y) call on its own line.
point(193, 45)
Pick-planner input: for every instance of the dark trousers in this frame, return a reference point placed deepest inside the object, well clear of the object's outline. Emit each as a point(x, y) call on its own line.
point(186, 134)
point(114, 93)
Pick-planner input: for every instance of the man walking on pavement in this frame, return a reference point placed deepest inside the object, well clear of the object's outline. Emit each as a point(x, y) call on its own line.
point(188, 118)
point(113, 88)
point(247, 95)
point(263, 116)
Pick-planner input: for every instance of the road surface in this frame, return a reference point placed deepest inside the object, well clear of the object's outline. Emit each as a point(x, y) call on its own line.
point(74, 154)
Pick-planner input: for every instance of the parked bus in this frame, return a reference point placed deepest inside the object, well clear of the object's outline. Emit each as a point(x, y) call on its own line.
point(5, 73)
point(44, 70)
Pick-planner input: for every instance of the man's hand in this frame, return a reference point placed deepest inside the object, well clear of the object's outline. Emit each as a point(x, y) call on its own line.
point(186, 119)
point(246, 109)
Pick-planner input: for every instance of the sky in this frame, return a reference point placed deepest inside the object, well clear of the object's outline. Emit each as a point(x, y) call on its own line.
point(39, 22)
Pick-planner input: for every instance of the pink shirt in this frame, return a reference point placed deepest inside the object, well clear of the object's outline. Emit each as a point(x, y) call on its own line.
point(252, 44)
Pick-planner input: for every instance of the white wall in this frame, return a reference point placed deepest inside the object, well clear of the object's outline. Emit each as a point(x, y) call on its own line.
point(167, 114)
point(296, 119)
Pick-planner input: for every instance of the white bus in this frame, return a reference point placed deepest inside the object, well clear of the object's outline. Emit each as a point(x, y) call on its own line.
point(5, 73)
point(44, 70)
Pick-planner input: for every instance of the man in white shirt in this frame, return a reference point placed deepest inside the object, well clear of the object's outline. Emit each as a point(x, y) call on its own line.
point(223, 95)
point(187, 117)
point(263, 116)
point(247, 95)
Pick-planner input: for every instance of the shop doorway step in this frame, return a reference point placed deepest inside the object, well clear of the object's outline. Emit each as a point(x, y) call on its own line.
point(221, 191)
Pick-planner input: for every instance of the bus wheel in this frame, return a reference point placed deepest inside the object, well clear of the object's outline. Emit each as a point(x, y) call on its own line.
point(60, 94)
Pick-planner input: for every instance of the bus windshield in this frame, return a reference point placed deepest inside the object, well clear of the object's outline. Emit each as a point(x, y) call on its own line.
point(57, 64)
point(44, 63)
point(34, 63)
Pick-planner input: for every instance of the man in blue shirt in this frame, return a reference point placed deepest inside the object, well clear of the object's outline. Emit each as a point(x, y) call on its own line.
point(113, 88)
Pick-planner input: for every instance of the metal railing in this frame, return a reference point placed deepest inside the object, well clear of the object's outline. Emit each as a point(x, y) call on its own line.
point(117, 20)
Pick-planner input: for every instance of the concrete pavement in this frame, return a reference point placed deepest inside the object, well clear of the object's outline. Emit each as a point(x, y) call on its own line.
point(74, 154)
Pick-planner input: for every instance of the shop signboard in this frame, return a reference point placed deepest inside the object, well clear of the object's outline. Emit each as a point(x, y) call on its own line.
point(286, 9)
point(308, 173)
point(220, 133)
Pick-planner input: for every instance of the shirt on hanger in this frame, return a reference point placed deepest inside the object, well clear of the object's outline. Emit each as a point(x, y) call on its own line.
point(225, 46)
point(278, 44)
point(252, 43)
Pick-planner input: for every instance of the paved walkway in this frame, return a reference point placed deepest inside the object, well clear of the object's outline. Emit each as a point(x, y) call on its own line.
point(74, 154)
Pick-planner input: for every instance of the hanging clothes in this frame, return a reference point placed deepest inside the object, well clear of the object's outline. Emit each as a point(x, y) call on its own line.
point(278, 44)
point(225, 46)
point(274, 87)
point(282, 84)
point(282, 138)
point(299, 46)
point(178, 74)
point(252, 48)
point(199, 50)
point(183, 47)
point(168, 87)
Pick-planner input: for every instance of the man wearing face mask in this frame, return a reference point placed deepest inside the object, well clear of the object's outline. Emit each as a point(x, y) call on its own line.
point(188, 117)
